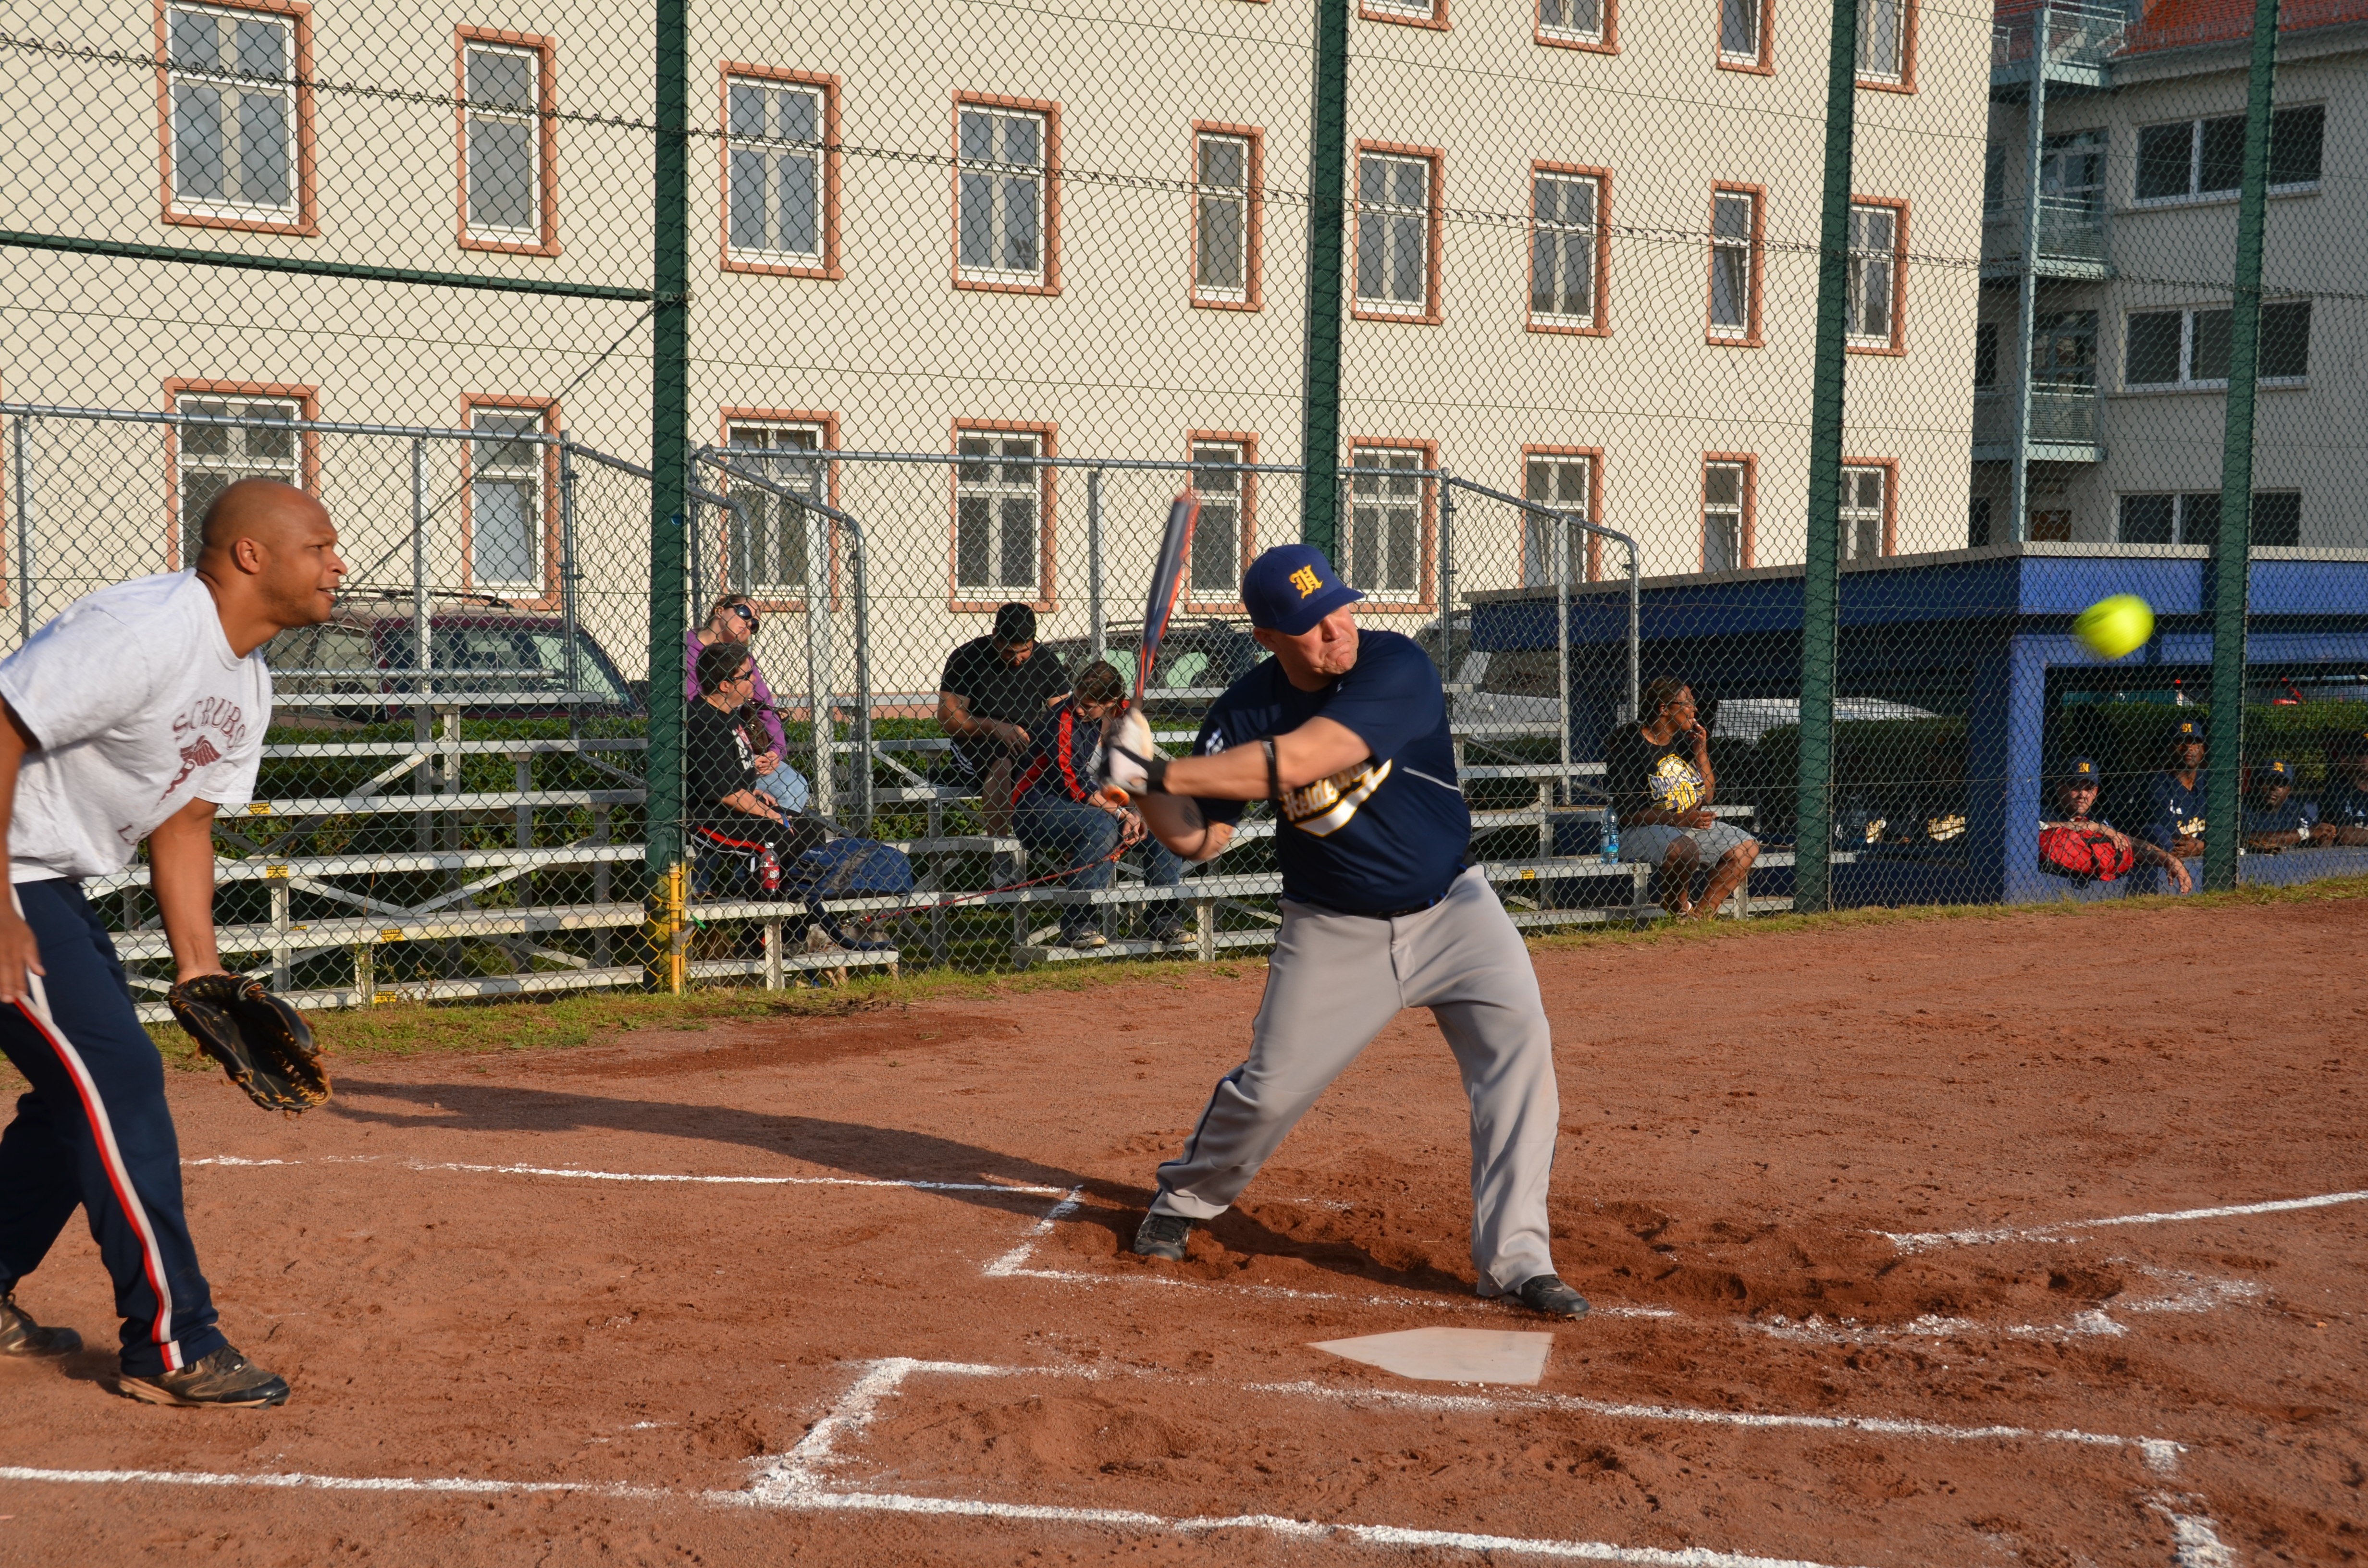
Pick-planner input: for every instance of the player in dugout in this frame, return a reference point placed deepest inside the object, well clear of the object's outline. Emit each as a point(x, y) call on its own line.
point(136, 714)
point(2176, 797)
point(1064, 817)
point(2274, 819)
point(1346, 732)
point(2343, 804)
point(2076, 813)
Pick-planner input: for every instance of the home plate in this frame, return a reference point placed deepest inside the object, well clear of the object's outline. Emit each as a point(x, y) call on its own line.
point(1450, 1354)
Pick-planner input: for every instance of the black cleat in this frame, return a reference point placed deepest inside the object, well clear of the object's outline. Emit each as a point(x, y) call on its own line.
point(1545, 1293)
point(225, 1378)
point(1162, 1235)
point(21, 1335)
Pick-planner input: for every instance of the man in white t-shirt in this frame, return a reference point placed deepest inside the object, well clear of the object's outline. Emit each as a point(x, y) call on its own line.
point(133, 715)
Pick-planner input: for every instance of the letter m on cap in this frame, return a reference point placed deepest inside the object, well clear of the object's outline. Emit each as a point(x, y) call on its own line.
point(1304, 581)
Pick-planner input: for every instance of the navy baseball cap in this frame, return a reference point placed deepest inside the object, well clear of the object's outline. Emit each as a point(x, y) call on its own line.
point(2190, 734)
point(2083, 770)
point(2278, 770)
point(1291, 588)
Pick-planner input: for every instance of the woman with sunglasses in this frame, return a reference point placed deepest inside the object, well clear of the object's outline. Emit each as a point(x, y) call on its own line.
point(732, 622)
point(729, 812)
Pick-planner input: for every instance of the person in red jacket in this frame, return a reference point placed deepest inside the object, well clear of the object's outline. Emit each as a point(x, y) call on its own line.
point(1061, 817)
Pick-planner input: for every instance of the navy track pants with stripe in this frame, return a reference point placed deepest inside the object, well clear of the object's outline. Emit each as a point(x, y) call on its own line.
point(96, 1131)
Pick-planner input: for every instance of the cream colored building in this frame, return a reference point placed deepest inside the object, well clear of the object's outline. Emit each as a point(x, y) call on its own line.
point(2136, 207)
point(1582, 267)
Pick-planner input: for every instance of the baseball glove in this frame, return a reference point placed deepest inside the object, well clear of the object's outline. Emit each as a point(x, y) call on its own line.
point(262, 1043)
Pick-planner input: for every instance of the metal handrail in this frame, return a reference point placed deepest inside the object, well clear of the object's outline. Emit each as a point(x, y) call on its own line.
point(860, 779)
point(1562, 597)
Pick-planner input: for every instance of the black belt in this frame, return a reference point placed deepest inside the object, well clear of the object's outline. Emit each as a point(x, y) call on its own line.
point(1397, 913)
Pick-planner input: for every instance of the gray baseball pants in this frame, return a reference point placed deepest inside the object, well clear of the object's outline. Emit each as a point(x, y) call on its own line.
point(1334, 982)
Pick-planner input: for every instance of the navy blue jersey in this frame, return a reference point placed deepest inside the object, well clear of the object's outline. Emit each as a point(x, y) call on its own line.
point(1388, 834)
point(1062, 754)
point(2174, 811)
point(2344, 806)
point(2290, 816)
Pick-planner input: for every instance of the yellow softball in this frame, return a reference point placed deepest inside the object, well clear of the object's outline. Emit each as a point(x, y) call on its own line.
point(2113, 628)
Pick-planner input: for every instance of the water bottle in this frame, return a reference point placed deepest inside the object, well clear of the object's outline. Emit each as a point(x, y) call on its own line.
point(1610, 836)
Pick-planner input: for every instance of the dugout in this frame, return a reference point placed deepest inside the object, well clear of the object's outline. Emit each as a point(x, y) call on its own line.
point(1973, 650)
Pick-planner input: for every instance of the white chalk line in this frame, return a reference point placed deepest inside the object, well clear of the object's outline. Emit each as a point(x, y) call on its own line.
point(2194, 1539)
point(795, 1482)
point(1917, 1241)
point(579, 1175)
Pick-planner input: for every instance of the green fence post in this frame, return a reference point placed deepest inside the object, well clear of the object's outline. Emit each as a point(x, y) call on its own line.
point(2231, 554)
point(1812, 840)
point(670, 460)
point(1327, 152)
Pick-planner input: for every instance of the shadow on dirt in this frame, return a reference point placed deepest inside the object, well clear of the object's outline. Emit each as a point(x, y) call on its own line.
point(872, 1154)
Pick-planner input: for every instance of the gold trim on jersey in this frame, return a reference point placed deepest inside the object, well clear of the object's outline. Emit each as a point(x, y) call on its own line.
point(1324, 807)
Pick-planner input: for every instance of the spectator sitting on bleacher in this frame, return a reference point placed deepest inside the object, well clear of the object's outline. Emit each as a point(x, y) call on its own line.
point(730, 816)
point(1658, 776)
point(2274, 819)
point(994, 690)
point(733, 619)
point(1063, 819)
point(2075, 803)
point(2175, 797)
point(2343, 807)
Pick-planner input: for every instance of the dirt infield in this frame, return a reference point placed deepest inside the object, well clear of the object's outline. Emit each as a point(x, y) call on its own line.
point(1837, 1196)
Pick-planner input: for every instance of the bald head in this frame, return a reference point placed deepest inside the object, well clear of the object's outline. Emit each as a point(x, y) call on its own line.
point(269, 553)
point(263, 510)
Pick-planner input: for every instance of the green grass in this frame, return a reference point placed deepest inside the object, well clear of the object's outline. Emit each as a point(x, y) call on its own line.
point(558, 1023)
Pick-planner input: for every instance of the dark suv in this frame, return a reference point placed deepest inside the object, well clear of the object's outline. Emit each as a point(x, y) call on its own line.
point(485, 652)
point(1196, 662)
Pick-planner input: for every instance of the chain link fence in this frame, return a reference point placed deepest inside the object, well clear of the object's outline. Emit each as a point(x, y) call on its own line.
point(1826, 365)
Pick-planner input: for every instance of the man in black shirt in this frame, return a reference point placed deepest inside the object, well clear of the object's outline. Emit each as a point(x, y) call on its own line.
point(1659, 775)
point(995, 691)
point(729, 814)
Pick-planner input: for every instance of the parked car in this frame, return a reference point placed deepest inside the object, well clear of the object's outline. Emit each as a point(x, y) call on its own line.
point(479, 648)
point(1196, 661)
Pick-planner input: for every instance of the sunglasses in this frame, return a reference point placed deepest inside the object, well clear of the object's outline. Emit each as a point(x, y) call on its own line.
point(745, 613)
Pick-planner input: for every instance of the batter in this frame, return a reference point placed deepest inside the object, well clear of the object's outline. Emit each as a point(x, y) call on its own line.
point(1346, 732)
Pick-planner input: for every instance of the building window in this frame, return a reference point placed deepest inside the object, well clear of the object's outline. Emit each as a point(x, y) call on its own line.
point(506, 496)
point(2072, 175)
point(2194, 158)
point(237, 116)
point(1564, 481)
point(209, 459)
point(1225, 177)
point(1877, 273)
point(2284, 350)
point(1735, 265)
point(1389, 511)
point(1977, 522)
point(1224, 536)
point(1866, 511)
point(2176, 348)
point(2193, 518)
point(1006, 160)
point(1986, 354)
point(1000, 509)
point(2064, 352)
point(1994, 180)
point(1743, 34)
point(1413, 13)
point(1584, 23)
point(774, 541)
point(1886, 30)
point(508, 200)
point(2277, 517)
point(1397, 235)
point(1727, 514)
point(780, 174)
point(1565, 240)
